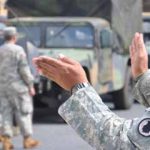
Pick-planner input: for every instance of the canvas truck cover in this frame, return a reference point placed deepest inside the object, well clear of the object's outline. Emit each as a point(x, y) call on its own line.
point(125, 16)
point(126, 19)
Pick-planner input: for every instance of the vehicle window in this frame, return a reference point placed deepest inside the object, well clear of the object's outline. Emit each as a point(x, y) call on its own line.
point(71, 36)
point(30, 33)
point(146, 31)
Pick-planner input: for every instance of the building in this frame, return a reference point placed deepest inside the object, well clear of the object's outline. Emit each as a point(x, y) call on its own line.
point(3, 10)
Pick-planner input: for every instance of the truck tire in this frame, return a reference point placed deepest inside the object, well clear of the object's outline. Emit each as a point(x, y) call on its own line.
point(59, 94)
point(63, 96)
point(123, 98)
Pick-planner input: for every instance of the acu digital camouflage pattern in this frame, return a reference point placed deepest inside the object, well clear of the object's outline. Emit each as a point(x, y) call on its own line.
point(15, 79)
point(142, 89)
point(100, 127)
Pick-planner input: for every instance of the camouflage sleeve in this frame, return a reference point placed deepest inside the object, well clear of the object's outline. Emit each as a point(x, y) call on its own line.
point(94, 121)
point(139, 132)
point(24, 69)
point(141, 91)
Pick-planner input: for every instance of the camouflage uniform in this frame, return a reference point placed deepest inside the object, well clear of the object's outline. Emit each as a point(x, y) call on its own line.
point(15, 79)
point(101, 128)
point(2, 26)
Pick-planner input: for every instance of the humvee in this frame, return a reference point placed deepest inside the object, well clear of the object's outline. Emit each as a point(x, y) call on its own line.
point(91, 41)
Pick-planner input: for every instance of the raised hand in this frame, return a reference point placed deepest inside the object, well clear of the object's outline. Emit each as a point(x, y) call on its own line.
point(64, 71)
point(138, 55)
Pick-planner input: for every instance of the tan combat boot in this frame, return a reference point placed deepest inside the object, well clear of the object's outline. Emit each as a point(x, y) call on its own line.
point(30, 143)
point(7, 144)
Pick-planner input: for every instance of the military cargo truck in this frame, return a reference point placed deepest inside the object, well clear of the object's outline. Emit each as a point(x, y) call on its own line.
point(99, 44)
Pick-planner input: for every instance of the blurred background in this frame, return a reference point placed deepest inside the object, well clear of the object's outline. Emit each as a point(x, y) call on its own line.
point(96, 33)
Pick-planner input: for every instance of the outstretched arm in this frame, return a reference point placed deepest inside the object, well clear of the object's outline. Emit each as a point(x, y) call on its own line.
point(84, 110)
point(88, 115)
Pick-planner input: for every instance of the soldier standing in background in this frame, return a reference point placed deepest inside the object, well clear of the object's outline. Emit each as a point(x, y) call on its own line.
point(2, 26)
point(16, 82)
point(86, 112)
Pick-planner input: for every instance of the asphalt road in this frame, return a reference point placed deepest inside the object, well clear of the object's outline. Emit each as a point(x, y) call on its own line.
point(59, 136)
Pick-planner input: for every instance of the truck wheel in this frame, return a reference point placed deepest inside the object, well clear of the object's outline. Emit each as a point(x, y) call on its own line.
point(63, 96)
point(59, 94)
point(123, 98)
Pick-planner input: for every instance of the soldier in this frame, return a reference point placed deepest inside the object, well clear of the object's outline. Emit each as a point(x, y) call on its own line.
point(2, 26)
point(86, 112)
point(16, 82)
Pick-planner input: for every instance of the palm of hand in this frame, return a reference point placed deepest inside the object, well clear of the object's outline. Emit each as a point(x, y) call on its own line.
point(138, 54)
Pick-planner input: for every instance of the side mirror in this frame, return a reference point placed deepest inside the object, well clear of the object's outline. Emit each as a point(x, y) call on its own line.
point(106, 38)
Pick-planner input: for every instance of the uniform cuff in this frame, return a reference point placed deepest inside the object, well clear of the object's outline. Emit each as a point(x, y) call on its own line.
point(141, 76)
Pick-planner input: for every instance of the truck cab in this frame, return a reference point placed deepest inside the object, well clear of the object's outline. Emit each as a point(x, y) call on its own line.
point(90, 41)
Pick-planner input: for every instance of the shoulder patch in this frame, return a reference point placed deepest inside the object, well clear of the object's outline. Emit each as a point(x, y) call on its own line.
point(144, 127)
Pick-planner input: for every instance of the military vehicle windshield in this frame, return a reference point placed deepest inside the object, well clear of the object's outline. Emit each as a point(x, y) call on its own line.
point(71, 36)
point(57, 35)
point(32, 33)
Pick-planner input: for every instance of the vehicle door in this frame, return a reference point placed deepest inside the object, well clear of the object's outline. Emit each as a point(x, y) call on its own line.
point(105, 56)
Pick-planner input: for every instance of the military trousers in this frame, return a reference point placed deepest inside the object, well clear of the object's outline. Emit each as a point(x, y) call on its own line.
point(20, 106)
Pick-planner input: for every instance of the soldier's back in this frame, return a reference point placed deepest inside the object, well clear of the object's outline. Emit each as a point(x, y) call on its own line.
point(9, 56)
